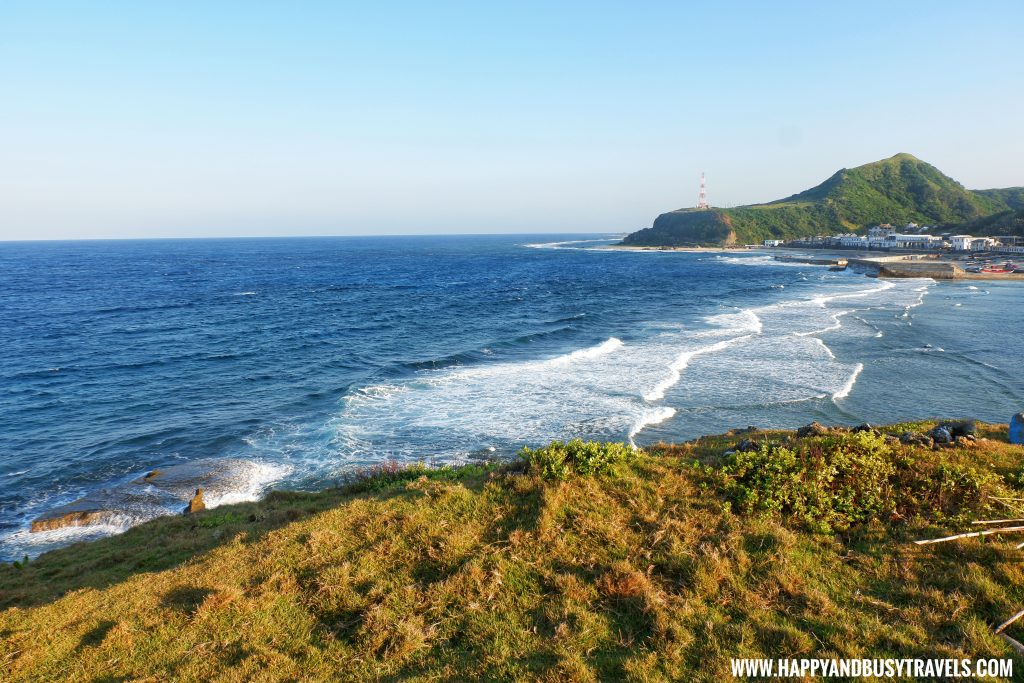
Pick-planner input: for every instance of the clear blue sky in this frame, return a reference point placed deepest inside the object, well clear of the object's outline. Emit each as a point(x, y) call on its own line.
point(121, 119)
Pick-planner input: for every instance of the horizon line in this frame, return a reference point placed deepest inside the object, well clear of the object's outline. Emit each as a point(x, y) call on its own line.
point(357, 235)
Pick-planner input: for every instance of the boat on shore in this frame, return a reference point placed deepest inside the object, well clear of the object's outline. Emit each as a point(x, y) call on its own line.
point(1004, 268)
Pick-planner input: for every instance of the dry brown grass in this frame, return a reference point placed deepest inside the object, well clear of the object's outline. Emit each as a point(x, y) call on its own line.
point(645, 576)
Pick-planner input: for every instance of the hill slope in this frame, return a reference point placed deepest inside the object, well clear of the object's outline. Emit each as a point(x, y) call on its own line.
point(661, 566)
point(896, 190)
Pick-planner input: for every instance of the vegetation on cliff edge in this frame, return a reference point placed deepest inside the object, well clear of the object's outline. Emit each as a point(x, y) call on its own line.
point(579, 562)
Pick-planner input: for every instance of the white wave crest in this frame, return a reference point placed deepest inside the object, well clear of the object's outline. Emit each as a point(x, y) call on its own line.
point(745, 320)
point(651, 416)
point(683, 360)
point(608, 346)
point(845, 390)
point(746, 356)
point(759, 260)
point(563, 243)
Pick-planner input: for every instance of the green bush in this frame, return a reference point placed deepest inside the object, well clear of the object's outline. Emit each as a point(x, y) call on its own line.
point(558, 460)
point(825, 484)
point(391, 474)
point(844, 479)
point(946, 490)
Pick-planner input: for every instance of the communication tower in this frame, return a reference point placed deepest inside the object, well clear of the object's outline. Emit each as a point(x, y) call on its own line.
point(702, 197)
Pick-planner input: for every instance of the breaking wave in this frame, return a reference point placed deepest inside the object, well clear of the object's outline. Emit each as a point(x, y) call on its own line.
point(845, 390)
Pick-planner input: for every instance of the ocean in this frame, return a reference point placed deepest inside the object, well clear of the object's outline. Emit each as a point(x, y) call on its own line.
point(303, 358)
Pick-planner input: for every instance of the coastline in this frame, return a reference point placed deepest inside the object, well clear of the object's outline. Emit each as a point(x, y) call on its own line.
point(908, 264)
point(482, 572)
point(121, 504)
point(900, 264)
point(695, 250)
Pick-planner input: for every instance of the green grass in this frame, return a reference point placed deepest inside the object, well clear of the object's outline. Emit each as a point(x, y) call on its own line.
point(659, 565)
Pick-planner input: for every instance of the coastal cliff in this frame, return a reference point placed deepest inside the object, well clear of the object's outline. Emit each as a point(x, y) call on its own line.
point(578, 562)
point(896, 190)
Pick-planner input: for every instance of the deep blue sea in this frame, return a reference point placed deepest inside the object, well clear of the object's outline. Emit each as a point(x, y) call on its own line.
point(306, 357)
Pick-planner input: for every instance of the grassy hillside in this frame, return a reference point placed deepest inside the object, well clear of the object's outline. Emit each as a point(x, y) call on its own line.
point(581, 563)
point(897, 190)
point(1011, 197)
point(1003, 223)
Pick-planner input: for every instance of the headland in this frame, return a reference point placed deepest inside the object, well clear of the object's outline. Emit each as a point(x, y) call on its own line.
point(578, 561)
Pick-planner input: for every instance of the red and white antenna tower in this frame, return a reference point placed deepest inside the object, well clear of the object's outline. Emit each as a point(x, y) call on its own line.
point(702, 198)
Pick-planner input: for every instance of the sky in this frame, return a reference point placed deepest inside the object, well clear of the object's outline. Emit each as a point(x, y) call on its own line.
point(203, 119)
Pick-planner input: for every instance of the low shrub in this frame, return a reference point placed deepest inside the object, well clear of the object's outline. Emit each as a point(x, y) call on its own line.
point(945, 491)
point(840, 480)
point(391, 474)
point(558, 460)
point(825, 484)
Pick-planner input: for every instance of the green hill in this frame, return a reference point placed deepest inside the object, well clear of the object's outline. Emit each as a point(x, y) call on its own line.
point(1009, 222)
point(896, 190)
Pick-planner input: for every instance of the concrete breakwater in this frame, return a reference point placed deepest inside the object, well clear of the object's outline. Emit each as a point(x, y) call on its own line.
point(903, 267)
point(938, 270)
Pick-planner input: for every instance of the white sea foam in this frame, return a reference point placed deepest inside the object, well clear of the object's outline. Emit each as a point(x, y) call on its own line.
point(825, 347)
point(745, 320)
point(563, 243)
point(651, 416)
point(759, 260)
point(836, 324)
point(845, 390)
point(248, 482)
point(24, 542)
point(608, 346)
point(882, 286)
point(680, 363)
point(241, 481)
point(663, 371)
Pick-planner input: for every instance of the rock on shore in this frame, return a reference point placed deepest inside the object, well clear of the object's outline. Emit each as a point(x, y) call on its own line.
point(160, 492)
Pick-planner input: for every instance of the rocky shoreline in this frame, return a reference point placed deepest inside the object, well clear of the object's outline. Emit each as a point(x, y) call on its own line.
point(160, 492)
point(184, 487)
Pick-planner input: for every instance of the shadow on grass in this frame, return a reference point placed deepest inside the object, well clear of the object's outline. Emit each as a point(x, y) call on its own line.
point(96, 635)
point(157, 545)
point(168, 542)
point(186, 599)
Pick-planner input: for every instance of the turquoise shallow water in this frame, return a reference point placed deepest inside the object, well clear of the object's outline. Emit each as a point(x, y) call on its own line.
point(306, 357)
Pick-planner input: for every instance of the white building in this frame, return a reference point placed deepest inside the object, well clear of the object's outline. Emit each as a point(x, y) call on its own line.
point(970, 243)
point(880, 232)
point(853, 241)
point(960, 242)
point(914, 241)
point(773, 243)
